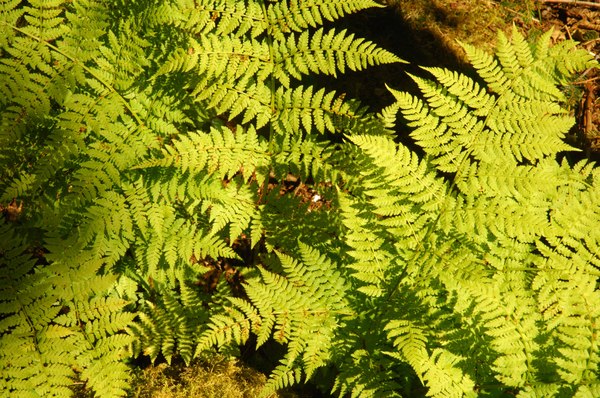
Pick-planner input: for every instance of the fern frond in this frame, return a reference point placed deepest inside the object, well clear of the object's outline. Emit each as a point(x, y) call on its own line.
point(233, 326)
point(514, 56)
point(411, 179)
point(298, 15)
point(366, 249)
point(520, 117)
point(29, 340)
point(281, 377)
point(586, 391)
point(226, 58)
point(301, 109)
point(10, 12)
point(171, 319)
point(221, 152)
point(289, 309)
point(305, 157)
point(60, 337)
point(411, 340)
point(325, 52)
point(235, 208)
point(222, 17)
point(246, 95)
point(445, 379)
point(571, 313)
point(362, 377)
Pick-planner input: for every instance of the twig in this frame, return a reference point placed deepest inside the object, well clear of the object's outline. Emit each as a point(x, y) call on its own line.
point(587, 43)
point(574, 2)
point(593, 79)
point(588, 121)
point(568, 32)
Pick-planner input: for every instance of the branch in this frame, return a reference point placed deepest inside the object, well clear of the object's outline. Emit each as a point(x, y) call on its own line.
point(574, 2)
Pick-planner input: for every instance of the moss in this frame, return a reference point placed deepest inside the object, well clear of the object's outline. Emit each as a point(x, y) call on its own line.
point(220, 378)
point(443, 22)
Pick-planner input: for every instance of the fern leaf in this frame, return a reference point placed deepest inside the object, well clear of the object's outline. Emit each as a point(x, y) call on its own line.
point(325, 52)
point(221, 152)
point(445, 379)
point(232, 327)
point(411, 340)
point(298, 15)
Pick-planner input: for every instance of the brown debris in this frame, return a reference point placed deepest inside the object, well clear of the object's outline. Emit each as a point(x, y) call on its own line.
point(574, 3)
point(12, 211)
point(580, 21)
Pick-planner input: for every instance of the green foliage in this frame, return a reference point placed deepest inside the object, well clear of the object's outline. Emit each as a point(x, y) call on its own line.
point(139, 141)
point(173, 182)
point(460, 265)
point(60, 322)
point(298, 308)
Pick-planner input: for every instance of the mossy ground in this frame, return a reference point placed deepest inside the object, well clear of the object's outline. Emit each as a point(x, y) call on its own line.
point(440, 24)
point(220, 379)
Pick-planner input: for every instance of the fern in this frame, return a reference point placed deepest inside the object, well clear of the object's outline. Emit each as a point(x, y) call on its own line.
point(520, 117)
point(461, 277)
point(298, 308)
point(247, 153)
point(59, 325)
point(120, 126)
point(151, 151)
point(239, 75)
point(504, 215)
point(168, 324)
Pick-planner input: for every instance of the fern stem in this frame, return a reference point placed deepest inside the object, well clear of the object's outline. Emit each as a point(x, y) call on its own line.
point(269, 40)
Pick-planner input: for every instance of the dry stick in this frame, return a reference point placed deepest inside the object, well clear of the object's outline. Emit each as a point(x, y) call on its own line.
point(587, 109)
point(592, 79)
point(574, 2)
point(588, 121)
